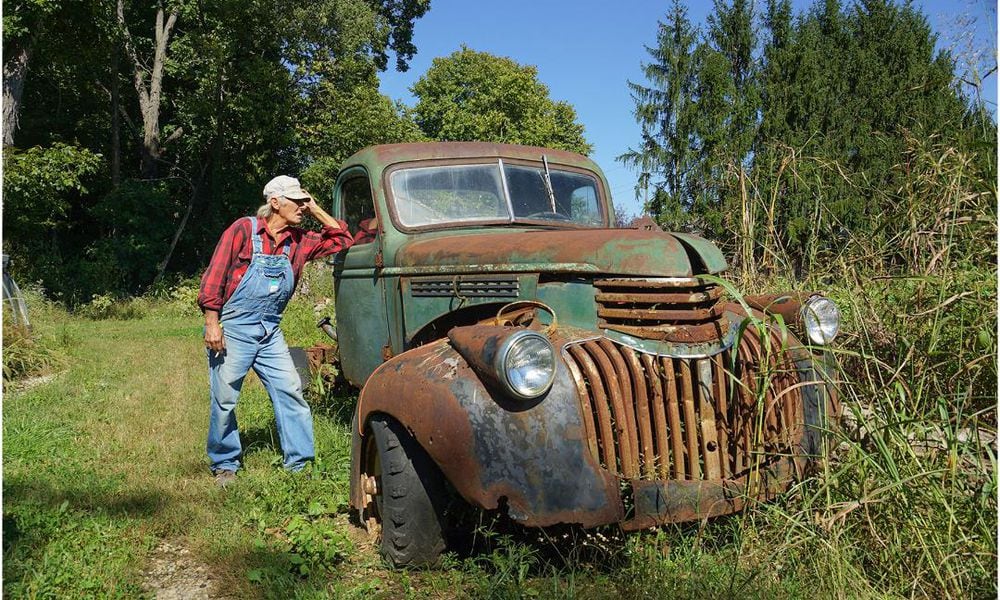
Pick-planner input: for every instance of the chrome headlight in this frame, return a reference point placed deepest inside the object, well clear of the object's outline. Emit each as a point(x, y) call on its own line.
point(821, 318)
point(526, 364)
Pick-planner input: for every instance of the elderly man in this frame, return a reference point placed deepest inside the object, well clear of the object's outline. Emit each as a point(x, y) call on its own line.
point(244, 291)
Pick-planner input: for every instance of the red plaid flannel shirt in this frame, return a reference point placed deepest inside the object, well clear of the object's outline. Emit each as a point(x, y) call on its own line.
point(233, 253)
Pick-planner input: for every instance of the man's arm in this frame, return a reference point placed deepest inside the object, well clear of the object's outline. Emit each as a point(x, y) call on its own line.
point(321, 215)
point(213, 283)
point(334, 237)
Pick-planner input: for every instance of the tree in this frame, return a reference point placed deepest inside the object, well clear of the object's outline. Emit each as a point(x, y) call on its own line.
point(263, 90)
point(732, 117)
point(20, 30)
point(698, 112)
point(212, 98)
point(665, 111)
point(149, 93)
point(344, 119)
point(846, 88)
point(471, 95)
point(27, 25)
point(806, 125)
point(41, 188)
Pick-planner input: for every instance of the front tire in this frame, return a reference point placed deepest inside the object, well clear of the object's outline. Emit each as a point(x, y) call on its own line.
point(409, 496)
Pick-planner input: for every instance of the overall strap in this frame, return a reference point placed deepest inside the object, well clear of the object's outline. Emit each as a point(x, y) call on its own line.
point(257, 243)
point(288, 245)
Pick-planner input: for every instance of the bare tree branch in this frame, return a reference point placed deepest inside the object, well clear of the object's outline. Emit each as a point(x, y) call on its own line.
point(149, 97)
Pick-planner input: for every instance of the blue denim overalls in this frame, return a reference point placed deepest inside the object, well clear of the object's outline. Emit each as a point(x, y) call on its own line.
point(250, 321)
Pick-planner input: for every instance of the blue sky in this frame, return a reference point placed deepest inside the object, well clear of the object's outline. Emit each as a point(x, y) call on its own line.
point(586, 51)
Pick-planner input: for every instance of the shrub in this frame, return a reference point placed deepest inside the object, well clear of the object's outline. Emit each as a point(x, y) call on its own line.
point(24, 353)
point(102, 306)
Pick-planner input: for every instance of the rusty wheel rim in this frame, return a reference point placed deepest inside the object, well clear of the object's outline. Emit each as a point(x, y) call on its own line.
point(371, 489)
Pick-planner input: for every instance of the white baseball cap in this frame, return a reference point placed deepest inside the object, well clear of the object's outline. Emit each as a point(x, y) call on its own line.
point(286, 187)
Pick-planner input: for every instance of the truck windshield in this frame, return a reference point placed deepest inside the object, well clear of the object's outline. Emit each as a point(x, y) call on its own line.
point(457, 194)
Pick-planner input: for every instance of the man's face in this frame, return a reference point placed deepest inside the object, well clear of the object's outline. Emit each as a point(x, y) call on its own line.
point(291, 211)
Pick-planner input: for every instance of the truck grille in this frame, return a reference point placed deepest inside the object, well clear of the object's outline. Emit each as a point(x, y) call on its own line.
point(670, 309)
point(474, 286)
point(652, 417)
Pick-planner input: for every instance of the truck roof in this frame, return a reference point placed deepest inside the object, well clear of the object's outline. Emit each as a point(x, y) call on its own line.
point(382, 156)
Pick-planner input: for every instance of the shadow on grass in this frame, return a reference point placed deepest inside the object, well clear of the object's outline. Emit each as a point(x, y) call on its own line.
point(104, 498)
point(39, 514)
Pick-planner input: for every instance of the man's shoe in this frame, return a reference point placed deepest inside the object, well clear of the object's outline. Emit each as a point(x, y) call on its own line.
point(224, 477)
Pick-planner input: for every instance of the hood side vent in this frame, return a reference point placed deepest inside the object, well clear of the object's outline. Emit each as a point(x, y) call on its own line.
point(465, 286)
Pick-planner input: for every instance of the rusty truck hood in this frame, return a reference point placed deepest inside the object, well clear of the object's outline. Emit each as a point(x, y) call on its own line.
point(616, 251)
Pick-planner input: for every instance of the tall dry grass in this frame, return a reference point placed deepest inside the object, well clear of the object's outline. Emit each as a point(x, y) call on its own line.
point(907, 505)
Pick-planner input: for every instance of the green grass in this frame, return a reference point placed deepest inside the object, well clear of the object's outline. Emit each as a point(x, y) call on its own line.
point(106, 459)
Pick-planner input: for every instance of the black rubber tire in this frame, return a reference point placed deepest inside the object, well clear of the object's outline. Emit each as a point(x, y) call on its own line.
point(411, 500)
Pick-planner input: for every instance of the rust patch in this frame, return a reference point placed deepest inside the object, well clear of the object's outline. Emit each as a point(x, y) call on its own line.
point(681, 310)
point(687, 438)
point(639, 393)
point(596, 387)
point(788, 305)
point(533, 455)
point(660, 502)
point(690, 423)
point(606, 250)
point(319, 355)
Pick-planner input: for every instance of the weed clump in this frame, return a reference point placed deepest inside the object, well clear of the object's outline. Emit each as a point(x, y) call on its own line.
point(25, 354)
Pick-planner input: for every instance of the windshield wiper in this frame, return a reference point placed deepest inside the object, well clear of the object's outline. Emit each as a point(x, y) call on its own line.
point(548, 183)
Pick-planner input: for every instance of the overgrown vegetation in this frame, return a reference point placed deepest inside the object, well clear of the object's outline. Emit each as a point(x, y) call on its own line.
point(848, 159)
point(107, 459)
point(785, 137)
point(32, 351)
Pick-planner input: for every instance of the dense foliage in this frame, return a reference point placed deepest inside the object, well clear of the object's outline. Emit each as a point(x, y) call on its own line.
point(837, 150)
point(789, 136)
point(170, 116)
point(831, 145)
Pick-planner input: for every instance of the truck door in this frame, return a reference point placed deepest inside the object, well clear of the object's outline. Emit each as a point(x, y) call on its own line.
point(362, 329)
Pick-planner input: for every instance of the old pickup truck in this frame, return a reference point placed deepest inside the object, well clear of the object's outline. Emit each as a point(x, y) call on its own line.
point(515, 352)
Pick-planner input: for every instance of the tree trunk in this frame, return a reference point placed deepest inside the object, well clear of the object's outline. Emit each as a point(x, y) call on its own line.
point(149, 97)
point(195, 188)
point(116, 147)
point(14, 70)
point(214, 159)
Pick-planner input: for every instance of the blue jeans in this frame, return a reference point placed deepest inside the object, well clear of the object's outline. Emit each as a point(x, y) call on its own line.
point(252, 346)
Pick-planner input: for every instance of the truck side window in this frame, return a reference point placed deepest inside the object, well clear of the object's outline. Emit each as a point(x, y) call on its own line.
point(359, 209)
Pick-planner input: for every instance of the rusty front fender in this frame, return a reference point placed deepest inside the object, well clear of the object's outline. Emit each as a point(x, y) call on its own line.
point(495, 450)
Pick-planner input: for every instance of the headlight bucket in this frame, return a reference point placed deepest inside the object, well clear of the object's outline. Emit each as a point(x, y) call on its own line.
point(821, 320)
point(526, 364)
point(519, 363)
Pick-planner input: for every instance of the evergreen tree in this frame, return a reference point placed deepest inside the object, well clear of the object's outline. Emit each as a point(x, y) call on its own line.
point(802, 124)
point(729, 112)
point(665, 111)
point(842, 91)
